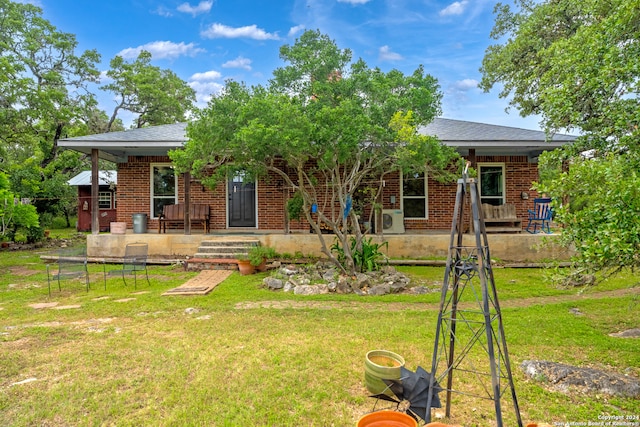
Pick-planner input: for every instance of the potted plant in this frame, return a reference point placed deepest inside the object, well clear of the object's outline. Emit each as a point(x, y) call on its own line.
point(244, 265)
point(258, 256)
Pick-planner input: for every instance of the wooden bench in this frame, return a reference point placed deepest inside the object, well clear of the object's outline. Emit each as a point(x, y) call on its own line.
point(501, 219)
point(174, 214)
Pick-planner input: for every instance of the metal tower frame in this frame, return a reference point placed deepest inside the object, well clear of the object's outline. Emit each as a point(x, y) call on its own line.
point(470, 314)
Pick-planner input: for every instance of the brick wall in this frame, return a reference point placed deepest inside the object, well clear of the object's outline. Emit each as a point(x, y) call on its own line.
point(134, 187)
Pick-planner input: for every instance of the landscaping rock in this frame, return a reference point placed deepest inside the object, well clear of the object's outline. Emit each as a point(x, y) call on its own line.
point(311, 289)
point(362, 281)
point(380, 289)
point(629, 333)
point(273, 283)
point(421, 290)
point(325, 277)
point(300, 280)
point(565, 378)
point(289, 270)
point(330, 274)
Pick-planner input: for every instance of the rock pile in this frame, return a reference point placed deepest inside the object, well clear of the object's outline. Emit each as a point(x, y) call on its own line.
point(564, 378)
point(324, 277)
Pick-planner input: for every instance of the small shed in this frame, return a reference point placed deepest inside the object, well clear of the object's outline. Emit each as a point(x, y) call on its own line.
point(106, 199)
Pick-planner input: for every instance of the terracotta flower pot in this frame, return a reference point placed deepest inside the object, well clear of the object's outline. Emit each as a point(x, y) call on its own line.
point(245, 267)
point(263, 266)
point(387, 419)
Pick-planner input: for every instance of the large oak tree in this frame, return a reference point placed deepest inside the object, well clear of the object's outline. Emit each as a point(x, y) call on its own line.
point(577, 64)
point(46, 94)
point(156, 96)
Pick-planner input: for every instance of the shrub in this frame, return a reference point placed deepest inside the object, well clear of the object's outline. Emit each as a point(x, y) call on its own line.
point(367, 257)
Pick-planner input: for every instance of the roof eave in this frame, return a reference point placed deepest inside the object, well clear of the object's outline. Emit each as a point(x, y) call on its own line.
point(119, 151)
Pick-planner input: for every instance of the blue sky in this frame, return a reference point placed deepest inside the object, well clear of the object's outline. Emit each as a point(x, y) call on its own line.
point(207, 42)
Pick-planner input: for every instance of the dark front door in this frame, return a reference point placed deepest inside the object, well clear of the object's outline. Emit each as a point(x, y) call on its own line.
point(242, 202)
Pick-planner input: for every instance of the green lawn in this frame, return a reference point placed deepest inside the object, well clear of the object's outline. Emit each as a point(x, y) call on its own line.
point(128, 358)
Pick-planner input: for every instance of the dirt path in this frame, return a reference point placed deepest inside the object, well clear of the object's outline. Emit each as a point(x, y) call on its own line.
point(511, 303)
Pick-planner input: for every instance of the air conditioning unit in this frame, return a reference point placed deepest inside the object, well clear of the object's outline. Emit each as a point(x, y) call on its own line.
point(392, 221)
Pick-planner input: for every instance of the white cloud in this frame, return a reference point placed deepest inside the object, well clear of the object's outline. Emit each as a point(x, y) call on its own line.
point(103, 77)
point(162, 50)
point(354, 1)
point(385, 54)
point(239, 62)
point(205, 91)
point(205, 85)
point(466, 84)
point(202, 7)
point(455, 8)
point(460, 92)
point(250, 31)
point(206, 76)
point(163, 11)
point(295, 30)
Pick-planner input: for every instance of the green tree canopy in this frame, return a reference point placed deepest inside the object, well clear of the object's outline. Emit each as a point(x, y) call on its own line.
point(43, 82)
point(157, 96)
point(43, 95)
point(15, 215)
point(577, 64)
point(326, 126)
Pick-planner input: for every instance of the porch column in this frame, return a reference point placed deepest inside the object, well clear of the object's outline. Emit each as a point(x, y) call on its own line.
point(472, 158)
point(95, 189)
point(187, 203)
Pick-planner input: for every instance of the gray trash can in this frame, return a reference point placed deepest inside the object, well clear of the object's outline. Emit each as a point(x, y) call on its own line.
point(139, 223)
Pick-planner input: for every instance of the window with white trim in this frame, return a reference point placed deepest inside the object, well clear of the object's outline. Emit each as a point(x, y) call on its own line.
point(104, 200)
point(492, 183)
point(164, 188)
point(414, 195)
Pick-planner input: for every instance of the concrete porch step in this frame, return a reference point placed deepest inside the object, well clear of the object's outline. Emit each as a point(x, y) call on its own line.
point(220, 254)
point(229, 243)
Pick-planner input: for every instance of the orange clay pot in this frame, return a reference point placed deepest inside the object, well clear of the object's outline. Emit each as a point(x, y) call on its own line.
point(387, 419)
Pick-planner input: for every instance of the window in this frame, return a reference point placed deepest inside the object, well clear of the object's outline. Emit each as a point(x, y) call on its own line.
point(104, 200)
point(414, 195)
point(163, 188)
point(491, 184)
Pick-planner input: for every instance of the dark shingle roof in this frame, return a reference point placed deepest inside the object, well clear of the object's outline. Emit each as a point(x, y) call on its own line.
point(460, 130)
point(163, 133)
point(481, 137)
